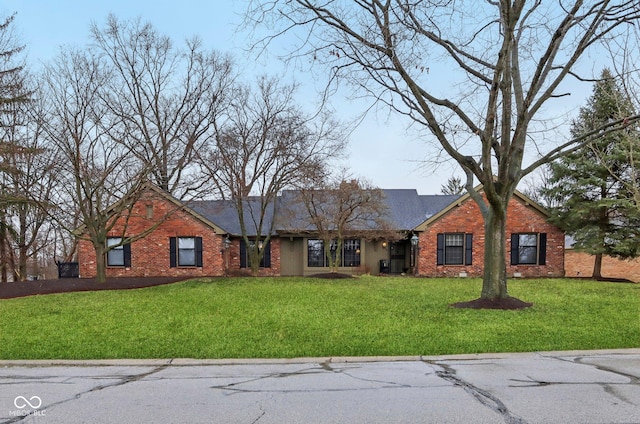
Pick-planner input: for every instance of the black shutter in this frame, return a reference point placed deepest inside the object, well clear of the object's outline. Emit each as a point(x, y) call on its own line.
point(198, 243)
point(468, 247)
point(127, 255)
point(440, 249)
point(515, 248)
point(243, 254)
point(266, 256)
point(542, 249)
point(173, 252)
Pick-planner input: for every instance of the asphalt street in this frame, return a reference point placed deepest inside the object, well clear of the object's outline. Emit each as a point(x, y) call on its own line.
point(542, 387)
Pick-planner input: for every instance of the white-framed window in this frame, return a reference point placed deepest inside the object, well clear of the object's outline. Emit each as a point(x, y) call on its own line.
point(118, 255)
point(454, 249)
point(185, 251)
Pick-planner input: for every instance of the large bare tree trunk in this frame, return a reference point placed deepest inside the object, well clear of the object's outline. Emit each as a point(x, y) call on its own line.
point(494, 281)
point(101, 264)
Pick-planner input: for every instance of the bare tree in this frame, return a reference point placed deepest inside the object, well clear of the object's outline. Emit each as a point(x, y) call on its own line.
point(343, 208)
point(165, 98)
point(505, 62)
point(265, 143)
point(98, 175)
point(30, 185)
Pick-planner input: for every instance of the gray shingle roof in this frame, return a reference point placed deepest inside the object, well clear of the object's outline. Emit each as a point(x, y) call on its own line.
point(407, 209)
point(223, 213)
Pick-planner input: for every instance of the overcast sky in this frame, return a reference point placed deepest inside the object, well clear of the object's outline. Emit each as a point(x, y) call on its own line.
point(380, 149)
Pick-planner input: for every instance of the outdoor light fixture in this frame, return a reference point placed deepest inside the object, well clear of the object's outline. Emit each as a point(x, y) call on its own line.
point(226, 243)
point(414, 253)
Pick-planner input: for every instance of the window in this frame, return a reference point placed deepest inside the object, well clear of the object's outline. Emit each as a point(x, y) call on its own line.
point(454, 249)
point(315, 253)
point(119, 254)
point(528, 248)
point(245, 259)
point(185, 251)
point(349, 254)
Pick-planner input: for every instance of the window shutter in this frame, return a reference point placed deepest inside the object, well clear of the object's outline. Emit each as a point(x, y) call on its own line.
point(542, 249)
point(198, 242)
point(468, 247)
point(515, 247)
point(266, 258)
point(173, 252)
point(440, 249)
point(127, 255)
point(243, 254)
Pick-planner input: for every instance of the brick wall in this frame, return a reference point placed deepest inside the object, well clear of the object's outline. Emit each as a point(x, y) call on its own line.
point(234, 259)
point(580, 264)
point(466, 218)
point(150, 255)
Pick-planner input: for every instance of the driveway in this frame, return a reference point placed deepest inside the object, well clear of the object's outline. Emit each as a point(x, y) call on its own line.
point(544, 387)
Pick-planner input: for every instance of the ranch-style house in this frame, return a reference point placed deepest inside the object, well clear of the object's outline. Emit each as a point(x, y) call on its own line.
point(439, 235)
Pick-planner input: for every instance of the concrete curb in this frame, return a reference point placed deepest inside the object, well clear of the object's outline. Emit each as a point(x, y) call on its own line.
point(311, 360)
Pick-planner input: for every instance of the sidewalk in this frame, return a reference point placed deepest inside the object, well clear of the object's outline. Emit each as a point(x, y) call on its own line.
point(542, 387)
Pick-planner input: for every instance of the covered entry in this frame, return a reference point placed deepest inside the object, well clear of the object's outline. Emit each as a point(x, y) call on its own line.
point(399, 257)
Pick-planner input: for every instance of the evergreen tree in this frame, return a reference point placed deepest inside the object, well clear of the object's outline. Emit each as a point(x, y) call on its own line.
point(594, 206)
point(12, 95)
point(454, 186)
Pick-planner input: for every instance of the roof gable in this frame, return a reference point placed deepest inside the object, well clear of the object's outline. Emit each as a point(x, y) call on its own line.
point(466, 197)
point(184, 207)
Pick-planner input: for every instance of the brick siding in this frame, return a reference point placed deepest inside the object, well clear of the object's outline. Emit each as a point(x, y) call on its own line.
point(580, 264)
point(234, 260)
point(466, 218)
point(150, 255)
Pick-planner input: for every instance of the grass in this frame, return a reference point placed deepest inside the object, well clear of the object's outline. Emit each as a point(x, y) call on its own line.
point(296, 317)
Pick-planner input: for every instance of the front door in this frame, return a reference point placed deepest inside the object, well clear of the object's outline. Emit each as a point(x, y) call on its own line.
point(398, 257)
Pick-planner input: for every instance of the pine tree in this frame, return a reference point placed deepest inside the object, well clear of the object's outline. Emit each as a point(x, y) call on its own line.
point(12, 93)
point(454, 186)
point(595, 209)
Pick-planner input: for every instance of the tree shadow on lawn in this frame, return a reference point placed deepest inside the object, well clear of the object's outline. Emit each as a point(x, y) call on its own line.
point(66, 285)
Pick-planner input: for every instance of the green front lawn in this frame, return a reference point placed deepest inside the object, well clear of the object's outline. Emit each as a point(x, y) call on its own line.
point(295, 317)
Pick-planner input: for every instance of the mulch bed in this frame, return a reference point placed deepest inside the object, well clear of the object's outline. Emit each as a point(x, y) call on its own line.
point(331, 275)
point(508, 303)
point(66, 285)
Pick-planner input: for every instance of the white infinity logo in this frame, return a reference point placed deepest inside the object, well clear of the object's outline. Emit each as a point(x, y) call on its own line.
point(22, 402)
